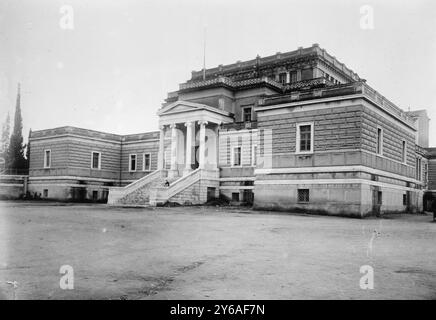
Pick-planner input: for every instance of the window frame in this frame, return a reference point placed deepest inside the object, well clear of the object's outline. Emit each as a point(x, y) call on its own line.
point(254, 155)
point(130, 162)
point(281, 74)
point(404, 151)
point(291, 73)
point(418, 168)
point(143, 161)
point(45, 158)
point(251, 113)
point(233, 156)
point(99, 160)
point(298, 195)
point(377, 147)
point(298, 142)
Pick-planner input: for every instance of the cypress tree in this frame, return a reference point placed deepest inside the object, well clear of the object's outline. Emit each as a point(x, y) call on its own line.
point(6, 131)
point(16, 158)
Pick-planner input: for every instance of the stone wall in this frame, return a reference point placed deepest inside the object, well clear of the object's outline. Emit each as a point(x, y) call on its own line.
point(12, 186)
point(432, 174)
point(335, 128)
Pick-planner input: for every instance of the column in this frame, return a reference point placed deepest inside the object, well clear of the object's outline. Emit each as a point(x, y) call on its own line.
point(161, 154)
point(174, 141)
point(189, 136)
point(202, 148)
point(288, 77)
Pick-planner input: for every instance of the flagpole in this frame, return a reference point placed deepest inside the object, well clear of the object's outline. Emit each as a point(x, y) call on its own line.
point(204, 53)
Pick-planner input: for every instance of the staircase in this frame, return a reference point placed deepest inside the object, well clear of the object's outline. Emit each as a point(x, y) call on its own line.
point(192, 188)
point(137, 192)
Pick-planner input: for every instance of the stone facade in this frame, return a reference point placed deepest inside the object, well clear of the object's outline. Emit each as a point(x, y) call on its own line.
point(292, 131)
point(70, 175)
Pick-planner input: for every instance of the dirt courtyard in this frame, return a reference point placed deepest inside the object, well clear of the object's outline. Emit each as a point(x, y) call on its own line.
point(210, 253)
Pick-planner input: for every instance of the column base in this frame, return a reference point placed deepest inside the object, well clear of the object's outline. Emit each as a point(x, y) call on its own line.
point(186, 171)
point(173, 173)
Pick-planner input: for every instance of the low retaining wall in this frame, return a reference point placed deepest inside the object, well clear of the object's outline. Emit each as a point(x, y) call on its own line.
point(13, 186)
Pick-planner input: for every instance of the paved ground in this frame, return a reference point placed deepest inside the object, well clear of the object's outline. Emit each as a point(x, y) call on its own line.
point(210, 253)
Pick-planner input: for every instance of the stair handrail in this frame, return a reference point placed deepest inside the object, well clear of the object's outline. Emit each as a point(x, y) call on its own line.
point(140, 181)
point(174, 188)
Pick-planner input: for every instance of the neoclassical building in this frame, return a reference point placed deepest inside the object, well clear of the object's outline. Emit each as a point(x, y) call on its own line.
point(295, 131)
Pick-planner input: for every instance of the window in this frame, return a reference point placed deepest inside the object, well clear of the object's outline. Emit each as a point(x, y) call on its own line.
point(45, 193)
point(236, 156)
point(254, 156)
point(379, 197)
point(146, 164)
point(95, 160)
point(132, 162)
point(404, 199)
point(403, 151)
point(282, 78)
point(294, 76)
point(418, 168)
point(47, 158)
point(247, 114)
point(327, 76)
point(221, 103)
point(235, 196)
point(425, 173)
point(304, 138)
point(303, 195)
point(94, 195)
point(379, 141)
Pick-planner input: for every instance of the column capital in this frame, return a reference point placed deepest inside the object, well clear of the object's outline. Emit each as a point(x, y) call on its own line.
point(202, 122)
point(188, 124)
point(173, 125)
point(162, 127)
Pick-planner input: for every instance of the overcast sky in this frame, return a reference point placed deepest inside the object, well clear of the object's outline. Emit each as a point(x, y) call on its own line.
point(112, 71)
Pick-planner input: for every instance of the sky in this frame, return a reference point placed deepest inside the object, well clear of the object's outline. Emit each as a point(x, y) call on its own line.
point(109, 68)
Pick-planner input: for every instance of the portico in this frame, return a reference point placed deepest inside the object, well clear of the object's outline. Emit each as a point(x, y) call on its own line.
point(189, 137)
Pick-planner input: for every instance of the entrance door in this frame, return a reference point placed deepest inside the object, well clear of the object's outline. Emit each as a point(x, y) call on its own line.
point(376, 200)
point(196, 164)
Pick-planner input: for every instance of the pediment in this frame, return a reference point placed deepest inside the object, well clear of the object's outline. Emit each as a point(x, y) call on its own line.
point(187, 106)
point(180, 108)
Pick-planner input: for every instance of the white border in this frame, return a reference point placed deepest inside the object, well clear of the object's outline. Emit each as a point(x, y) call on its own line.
point(45, 164)
point(251, 112)
point(130, 162)
point(233, 157)
point(404, 156)
point(297, 143)
point(381, 141)
point(336, 169)
point(254, 155)
point(143, 162)
point(99, 160)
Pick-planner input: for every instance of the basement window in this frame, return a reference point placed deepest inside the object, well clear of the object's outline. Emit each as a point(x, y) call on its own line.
point(303, 195)
point(45, 193)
